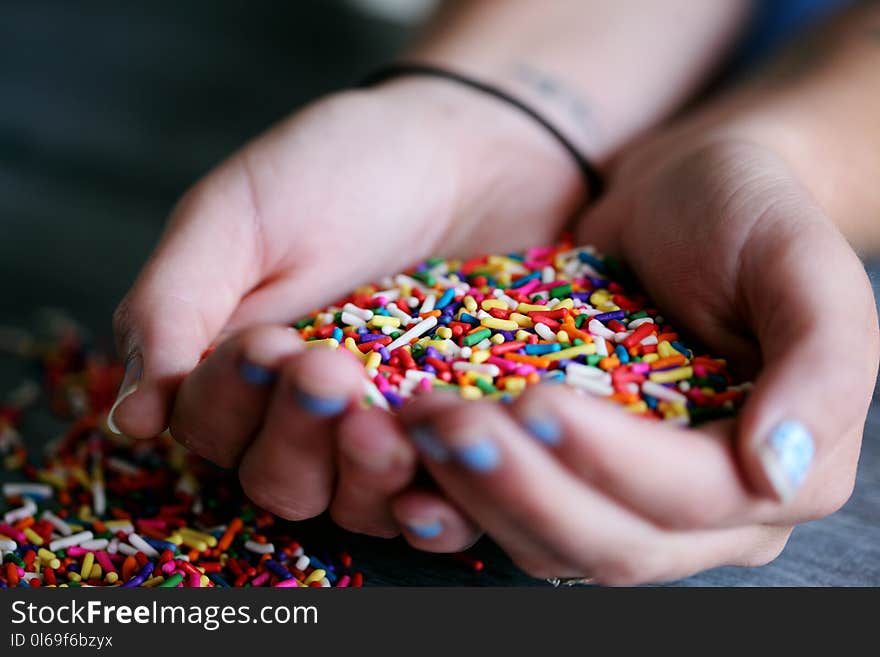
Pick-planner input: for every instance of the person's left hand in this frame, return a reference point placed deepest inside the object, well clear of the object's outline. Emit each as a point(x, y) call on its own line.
point(728, 243)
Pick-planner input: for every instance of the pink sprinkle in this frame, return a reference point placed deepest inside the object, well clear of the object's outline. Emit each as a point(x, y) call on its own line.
point(287, 584)
point(343, 581)
point(261, 579)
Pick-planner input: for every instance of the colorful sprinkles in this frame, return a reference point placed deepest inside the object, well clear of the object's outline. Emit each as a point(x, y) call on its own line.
point(490, 326)
point(102, 510)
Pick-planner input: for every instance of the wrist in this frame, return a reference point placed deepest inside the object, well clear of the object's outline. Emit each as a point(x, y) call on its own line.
point(503, 161)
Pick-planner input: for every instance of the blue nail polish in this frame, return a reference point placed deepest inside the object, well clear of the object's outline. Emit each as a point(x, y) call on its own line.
point(791, 452)
point(481, 456)
point(546, 430)
point(431, 530)
point(320, 406)
point(428, 444)
point(256, 375)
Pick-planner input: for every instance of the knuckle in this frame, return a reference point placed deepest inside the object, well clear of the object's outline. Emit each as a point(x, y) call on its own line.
point(191, 435)
point(766, 551)
point(290, 508)
point(355, 521)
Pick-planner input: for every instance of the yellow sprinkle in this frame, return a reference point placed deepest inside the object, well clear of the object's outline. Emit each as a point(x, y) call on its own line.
point(54, 564)
point(599, 297)
point(470, 392)
point(203, 581)
point(383, 320)
point(497, 339)
point(175, 538)
point(153, 581)
point(207, 538)
point(637, 407)
point(45, 555)
point(315, 576)
point(562, 336)
point(111, 578)
point(440, 345)
point(531, 307)
point(351, 345)
point(572, 352)
point(499, 324)
point(470, 304)
point(194, 543)
point(488, 304)
point(33, 536)
point(515, 383)
point(522, 320)
point(665, 349)
point(480, 355)
point(565, 303)
point(331, 343)
point(444, 332)
point(668, 376)
point(74, 577)
point(650, 358)
point(115, 525)
point(87, 563)
point(374, 359)
point(522, 336)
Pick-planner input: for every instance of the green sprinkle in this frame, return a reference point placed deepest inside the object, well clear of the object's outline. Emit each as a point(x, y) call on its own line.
point(560, 291)
point(474, 338)
point(301, 324)
point(485, 386)
point(172, 581)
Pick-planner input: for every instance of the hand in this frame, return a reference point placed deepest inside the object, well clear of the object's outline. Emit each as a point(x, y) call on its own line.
point(734, 250)
point(349, 189)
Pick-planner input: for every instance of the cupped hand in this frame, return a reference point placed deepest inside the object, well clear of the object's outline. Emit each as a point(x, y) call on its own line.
point(726, 240)
point(355, 186)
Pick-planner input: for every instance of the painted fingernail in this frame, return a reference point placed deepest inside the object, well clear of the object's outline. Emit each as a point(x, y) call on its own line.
point(786, 455)
point(134, 368)
point(426, 530)
point(428, 444)
point(256, 375)
point(481, 455)
point(320, 405)
point(544, 429)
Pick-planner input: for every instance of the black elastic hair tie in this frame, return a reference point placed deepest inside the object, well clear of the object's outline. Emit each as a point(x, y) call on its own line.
point(592, 178)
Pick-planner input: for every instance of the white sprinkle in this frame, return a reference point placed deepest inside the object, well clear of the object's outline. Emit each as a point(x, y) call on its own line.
point(374, 395)
point(545, 332)
point(422, 327)
point(651, 339)
point(259, 548)
point(428, 304)
point(22, 489)
point(142, 545)
point(589, 371)
point(8, 544)
point(590, 384)
point(601, 346)
point(99, 497)
point(598, 328)
point(483, 368)
point(302, 563)
point(399, 314)
point(662, 392)
point(62, 527)
point(20, 513)
point(69, 541)
point(548, 274)
point(352, 320)
point(636, 323)
point(484, 344)
point(466, 352)
point(357, 311)
point(95, 544)
point(416, 375)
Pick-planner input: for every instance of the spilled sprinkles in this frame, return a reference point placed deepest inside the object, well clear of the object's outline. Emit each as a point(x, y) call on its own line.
point(102, 510)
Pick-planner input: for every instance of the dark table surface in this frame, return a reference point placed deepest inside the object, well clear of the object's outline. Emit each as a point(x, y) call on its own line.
point(109, 111)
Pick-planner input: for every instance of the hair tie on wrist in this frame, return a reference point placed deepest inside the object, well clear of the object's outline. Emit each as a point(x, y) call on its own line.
point(592, 178)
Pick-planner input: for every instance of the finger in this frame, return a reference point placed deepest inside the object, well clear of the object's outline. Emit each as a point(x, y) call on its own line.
point(813, 311)
point(677, 477)
point(432, 523)
point(289, 468)
point(220, 405)
point(554, 525)
point(375, 461)
point(205, 261)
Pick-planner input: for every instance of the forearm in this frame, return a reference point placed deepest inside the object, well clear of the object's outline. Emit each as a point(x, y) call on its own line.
point(819, 106)
point(602, 71)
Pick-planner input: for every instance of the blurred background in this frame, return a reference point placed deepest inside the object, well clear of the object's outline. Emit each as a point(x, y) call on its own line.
point(109, 111)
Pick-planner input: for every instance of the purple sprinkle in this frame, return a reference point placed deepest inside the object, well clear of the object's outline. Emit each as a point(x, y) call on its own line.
point(607, 317)
point(370, 337)
point(508, 336)
point(598, 282)
point(430, 368)
point(384, 353)
point(582, 296)
point(393, 399)
point(430, 352)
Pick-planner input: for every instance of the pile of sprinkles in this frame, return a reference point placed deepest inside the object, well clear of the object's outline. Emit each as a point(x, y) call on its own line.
point(490, 326)
point(101, 510)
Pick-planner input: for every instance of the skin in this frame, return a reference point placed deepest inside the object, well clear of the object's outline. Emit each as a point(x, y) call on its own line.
point(723, 220)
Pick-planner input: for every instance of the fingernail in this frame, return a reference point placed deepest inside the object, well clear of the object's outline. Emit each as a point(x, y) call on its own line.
point(256, 375)
point(426, 530)
point(544, 429)
point(319, 404)
point(480, 455)
point(428, 444)
point(134, 367)
point(786, 456)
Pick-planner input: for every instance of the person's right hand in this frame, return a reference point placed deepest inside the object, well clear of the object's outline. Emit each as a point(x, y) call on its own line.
point(356, 186)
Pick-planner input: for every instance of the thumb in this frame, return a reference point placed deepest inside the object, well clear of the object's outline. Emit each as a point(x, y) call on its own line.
point(813, 312)
point(204, 263)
